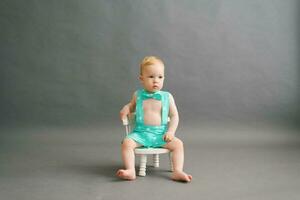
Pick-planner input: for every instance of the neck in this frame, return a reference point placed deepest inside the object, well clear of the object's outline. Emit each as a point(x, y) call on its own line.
point(150, 91)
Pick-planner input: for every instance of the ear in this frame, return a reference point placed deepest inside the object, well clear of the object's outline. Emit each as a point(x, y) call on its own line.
point(140, 78)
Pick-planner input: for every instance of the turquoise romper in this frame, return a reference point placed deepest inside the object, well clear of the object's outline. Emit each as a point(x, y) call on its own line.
point(149, 135)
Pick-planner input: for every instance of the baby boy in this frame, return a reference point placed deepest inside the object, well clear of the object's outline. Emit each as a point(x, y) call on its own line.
point(152, 107)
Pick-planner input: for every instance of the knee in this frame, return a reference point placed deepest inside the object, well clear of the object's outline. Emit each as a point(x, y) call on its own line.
point(179, 143)
point(128, 144)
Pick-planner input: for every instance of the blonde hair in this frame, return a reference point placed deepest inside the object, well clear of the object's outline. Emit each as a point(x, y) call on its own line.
point(149, 60)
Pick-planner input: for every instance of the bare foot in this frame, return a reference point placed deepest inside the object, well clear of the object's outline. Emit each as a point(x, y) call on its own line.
point(181, 176)
point(126, 174)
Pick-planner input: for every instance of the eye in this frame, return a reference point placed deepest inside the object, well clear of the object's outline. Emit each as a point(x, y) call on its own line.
point(151, 76)
point(160, 77)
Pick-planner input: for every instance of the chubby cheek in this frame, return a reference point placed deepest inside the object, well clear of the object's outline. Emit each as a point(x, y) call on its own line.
point(149, 84)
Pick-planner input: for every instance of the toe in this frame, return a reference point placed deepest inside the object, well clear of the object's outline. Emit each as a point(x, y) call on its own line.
point(120, 172)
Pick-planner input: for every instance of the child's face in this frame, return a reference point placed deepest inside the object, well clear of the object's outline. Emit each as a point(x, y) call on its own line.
point(152, 77)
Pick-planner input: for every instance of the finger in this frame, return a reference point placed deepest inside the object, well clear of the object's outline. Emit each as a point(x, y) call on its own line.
point(167, 139)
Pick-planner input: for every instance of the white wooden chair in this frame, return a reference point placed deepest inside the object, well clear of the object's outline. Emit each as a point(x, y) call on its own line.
point(143, 152)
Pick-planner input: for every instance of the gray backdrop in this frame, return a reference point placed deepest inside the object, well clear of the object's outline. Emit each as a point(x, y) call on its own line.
point(68, 66)
point(76, 62)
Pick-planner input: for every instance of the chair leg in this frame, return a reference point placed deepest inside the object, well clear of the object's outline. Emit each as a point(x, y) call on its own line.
point(171, 162)
point(155, 160)
point(143, 163)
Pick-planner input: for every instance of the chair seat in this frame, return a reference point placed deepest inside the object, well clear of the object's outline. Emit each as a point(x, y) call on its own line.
point(142, 150)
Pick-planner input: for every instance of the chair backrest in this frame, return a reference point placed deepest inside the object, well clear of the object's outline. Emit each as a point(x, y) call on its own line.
point(129, 122)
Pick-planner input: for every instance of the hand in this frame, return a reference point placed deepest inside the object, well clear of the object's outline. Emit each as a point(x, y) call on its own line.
point(168, 137)
point(124, 112)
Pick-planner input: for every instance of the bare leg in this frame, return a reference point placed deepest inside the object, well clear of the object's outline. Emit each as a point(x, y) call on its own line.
point(176, 147)
point(128, 147)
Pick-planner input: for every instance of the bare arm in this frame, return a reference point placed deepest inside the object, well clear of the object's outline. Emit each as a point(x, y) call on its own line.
point(128, 108)
point(174, 120)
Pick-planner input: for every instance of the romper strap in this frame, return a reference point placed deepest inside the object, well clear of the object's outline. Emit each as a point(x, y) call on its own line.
point(165, 107)
point(139, 113)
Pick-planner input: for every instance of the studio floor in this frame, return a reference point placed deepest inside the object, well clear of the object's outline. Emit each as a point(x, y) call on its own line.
point(231, 161)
